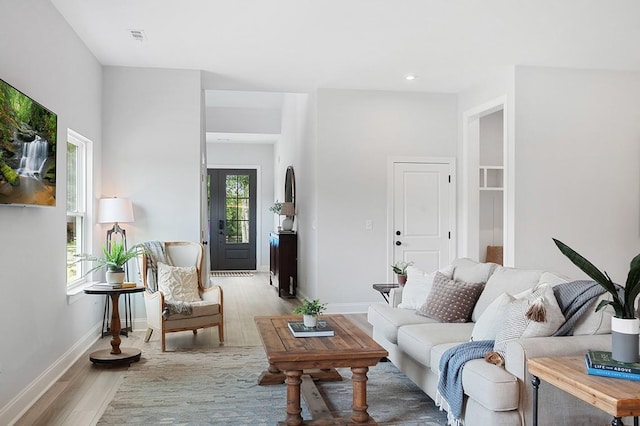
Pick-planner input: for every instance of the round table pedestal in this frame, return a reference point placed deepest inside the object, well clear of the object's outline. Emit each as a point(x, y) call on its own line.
point(126, 355)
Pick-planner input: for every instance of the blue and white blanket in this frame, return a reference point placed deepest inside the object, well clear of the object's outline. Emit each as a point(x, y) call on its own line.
point(450, 396)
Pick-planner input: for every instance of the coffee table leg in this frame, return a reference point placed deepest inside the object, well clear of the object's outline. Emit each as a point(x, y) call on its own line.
point(359, 414)
point(293, 381)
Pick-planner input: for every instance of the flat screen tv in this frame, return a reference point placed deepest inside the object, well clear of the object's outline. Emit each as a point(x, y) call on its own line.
point(28, 134)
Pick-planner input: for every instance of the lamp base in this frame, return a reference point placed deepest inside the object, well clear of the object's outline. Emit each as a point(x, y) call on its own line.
point(287, 224)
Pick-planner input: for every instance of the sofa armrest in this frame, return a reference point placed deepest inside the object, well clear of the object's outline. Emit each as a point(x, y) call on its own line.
point(395, 296)
point(520, 350)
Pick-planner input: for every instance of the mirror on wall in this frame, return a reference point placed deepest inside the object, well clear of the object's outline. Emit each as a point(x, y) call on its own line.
point(290, 186)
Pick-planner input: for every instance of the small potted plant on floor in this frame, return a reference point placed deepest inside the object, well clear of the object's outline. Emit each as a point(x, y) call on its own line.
point(400, 268)
point(310, 309)
point(115, 259)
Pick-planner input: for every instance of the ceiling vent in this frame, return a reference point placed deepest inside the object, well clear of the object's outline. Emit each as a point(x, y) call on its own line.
point(138, 35)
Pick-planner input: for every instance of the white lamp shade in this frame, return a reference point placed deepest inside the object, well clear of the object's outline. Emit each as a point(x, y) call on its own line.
point(287, 209)
point(111, 210)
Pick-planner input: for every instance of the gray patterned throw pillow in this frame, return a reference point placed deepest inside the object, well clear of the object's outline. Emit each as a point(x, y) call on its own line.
point(450, 300)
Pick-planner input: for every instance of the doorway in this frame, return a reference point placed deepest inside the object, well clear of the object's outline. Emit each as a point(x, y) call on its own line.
point(423, 216)
point(232, 219)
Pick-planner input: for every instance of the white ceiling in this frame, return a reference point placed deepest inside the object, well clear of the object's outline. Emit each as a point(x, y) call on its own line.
point(300, 45)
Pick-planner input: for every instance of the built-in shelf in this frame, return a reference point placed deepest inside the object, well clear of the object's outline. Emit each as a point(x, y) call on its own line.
point(491, 178)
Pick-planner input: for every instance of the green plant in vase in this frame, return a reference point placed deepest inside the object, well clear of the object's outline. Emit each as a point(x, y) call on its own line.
point(310, 309)
point(624, 325)
point(114, 259)
point(400, 269)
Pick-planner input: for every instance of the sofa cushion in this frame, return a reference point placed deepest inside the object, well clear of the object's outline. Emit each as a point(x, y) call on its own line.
point(419, 285)
point(387, 319)
point(450, 300)
point(518, 325)
point(417, 340)
point(505, 280)
point(470, 271)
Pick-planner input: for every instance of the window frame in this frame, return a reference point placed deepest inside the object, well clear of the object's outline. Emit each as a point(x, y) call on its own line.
point(84, 204)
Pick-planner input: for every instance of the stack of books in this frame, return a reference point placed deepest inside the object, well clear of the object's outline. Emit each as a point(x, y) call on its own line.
point(600, 363)
point(322, 329)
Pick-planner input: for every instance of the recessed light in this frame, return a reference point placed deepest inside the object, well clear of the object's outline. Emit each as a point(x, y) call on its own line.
point(410, 77)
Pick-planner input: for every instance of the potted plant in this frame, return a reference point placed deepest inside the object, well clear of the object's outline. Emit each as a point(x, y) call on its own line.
point(400, 268)
point(276, 208)
point(115, 258)
point(310, 309)
point(624, 325)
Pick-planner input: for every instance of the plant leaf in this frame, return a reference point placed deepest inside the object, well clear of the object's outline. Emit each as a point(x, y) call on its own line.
point(604, 303)
point(632, 287)
point(589, 269)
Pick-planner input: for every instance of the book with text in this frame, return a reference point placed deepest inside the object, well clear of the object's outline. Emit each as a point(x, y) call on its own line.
point(603, 360)
point(609, 373)
point(298, 329)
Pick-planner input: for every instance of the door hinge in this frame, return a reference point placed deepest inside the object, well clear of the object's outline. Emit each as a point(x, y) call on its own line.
point(449, 234)
point(449, 178)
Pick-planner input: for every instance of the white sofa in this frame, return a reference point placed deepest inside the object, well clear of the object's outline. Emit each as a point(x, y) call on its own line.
point(494, 395)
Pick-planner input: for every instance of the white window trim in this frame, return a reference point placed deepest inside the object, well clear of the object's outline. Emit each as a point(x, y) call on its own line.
point(76, 287)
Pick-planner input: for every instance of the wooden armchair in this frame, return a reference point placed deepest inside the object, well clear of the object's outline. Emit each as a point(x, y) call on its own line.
point(208, 312)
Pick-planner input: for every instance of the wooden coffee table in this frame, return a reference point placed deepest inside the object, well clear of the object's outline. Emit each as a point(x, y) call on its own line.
point(290, 357)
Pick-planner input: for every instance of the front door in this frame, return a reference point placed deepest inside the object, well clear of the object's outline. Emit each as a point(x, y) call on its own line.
point(232, 219)
point(423, 216)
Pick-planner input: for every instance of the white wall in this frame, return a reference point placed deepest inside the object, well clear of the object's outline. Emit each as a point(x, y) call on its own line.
point(41, 329)
point(357, 132)
point(577, 167)
point(152, 154)
point(253, 156)
point(243, 120)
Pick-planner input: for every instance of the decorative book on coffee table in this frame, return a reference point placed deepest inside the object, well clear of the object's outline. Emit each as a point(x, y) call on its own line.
point(298, 329)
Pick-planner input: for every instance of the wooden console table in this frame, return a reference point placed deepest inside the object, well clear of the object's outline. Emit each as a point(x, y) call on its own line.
point(117, 354)
point(618, 397)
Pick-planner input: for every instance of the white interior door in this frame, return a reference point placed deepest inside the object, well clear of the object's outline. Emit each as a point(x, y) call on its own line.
point(423, 214)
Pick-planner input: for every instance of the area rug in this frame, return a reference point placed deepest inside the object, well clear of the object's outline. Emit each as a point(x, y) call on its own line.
point(225, 274)
point(220, 387)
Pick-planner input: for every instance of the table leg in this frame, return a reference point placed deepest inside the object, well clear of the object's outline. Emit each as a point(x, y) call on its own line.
point(115, 325)
point(535, 381)
point(293, 397)
point(360, 414)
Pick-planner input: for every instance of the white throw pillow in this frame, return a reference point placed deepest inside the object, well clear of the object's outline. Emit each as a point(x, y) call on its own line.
point(491, 320)
point(418, 286)
point(517, 325)
point(178, 283)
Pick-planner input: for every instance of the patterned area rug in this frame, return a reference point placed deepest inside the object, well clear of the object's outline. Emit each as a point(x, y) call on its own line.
point(231, 274)
point(219, 387)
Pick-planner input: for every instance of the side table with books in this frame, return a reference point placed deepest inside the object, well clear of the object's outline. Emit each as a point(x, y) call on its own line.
point(619, 398)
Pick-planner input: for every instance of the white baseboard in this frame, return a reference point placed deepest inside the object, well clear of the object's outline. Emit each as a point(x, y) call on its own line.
point(11, 413)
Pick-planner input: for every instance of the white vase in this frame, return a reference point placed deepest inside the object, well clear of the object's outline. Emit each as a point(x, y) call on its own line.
point(310, 320)
point(624, 339)
point(115, 278)
point(287, 224)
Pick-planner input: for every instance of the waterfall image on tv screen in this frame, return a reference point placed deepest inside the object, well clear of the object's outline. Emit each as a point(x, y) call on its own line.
point(27, 150)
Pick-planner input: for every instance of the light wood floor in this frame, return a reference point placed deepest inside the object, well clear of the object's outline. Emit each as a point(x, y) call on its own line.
point(84, 391)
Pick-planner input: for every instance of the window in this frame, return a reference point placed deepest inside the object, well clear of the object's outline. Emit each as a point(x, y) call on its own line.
point(78, 193)
point(237, 209)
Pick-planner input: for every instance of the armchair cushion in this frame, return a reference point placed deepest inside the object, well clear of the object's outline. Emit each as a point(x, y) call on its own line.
point(178, 283)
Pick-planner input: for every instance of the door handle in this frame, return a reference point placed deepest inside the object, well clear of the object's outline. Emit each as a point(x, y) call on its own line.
point(398, 243)
point(221, 224)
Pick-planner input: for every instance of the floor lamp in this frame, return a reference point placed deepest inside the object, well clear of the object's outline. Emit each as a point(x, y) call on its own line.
point(116, 210)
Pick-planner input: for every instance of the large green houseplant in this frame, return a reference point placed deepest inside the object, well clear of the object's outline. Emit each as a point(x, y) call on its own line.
point(625, 327)
point(114, 259)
